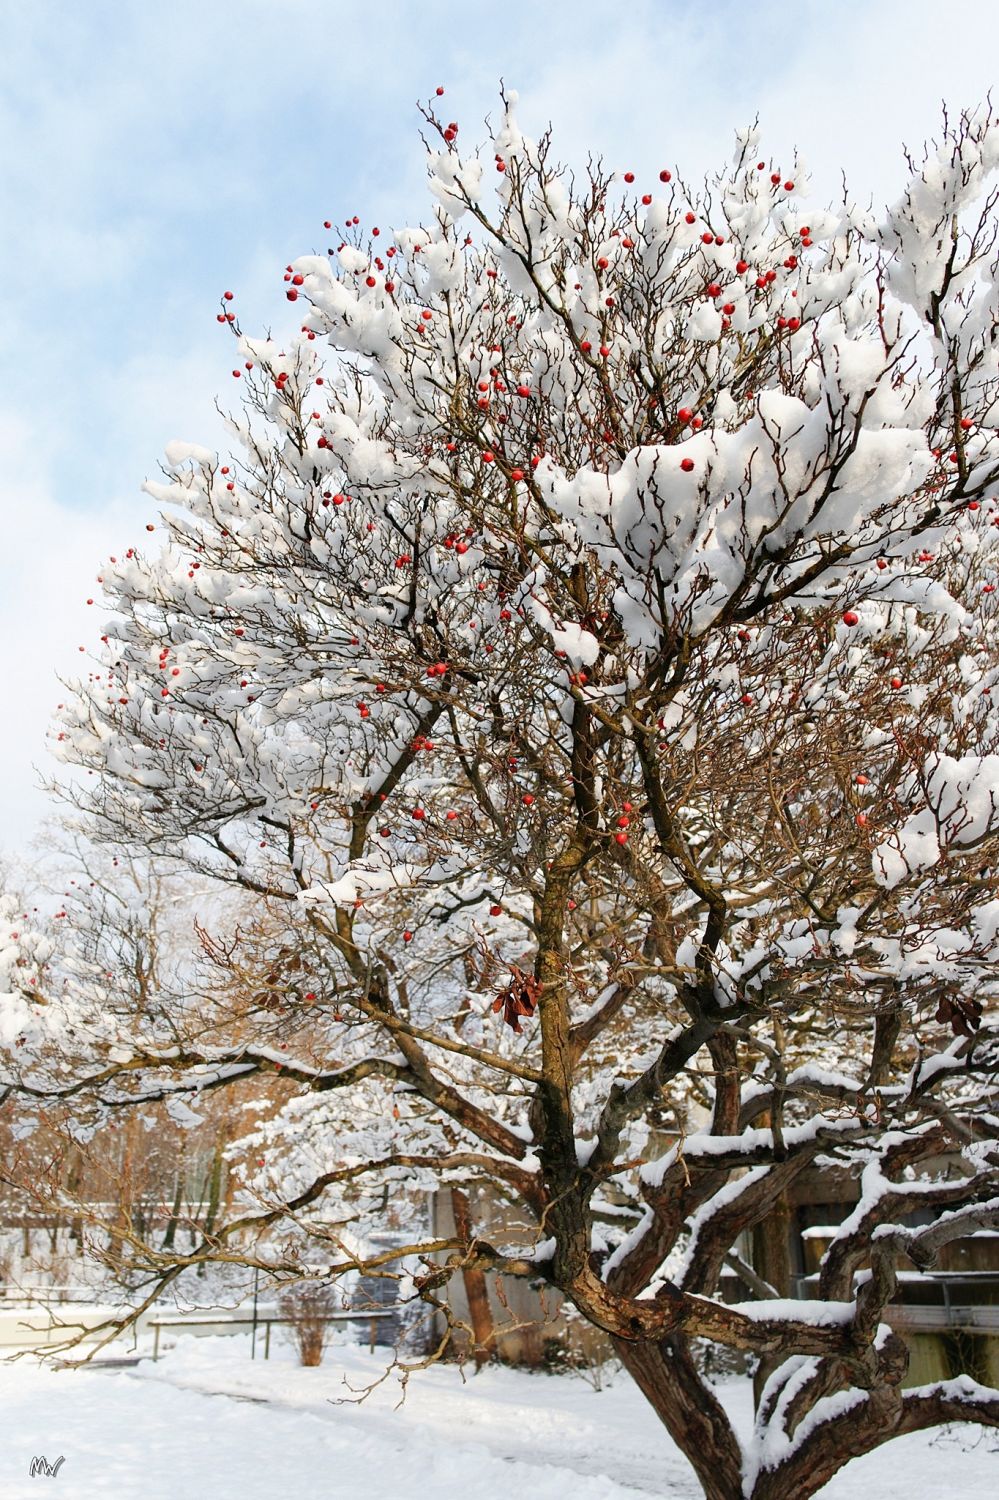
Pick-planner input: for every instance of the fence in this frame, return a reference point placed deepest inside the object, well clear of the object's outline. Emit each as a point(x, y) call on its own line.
point(226, 1322)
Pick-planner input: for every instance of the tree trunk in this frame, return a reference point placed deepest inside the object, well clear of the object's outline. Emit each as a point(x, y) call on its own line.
point(476, 1290)
point(74, 1177)
point(214, 1190)
point(829, 1447)
point(178, 1197)
point(668, 1379)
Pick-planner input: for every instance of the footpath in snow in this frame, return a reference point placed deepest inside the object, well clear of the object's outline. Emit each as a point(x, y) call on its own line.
point(206, 1421)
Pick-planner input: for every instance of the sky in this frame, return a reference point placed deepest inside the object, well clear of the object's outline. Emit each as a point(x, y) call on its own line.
point(155, 155)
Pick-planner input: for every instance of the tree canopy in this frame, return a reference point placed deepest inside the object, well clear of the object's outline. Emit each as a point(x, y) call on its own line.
point(583, 665)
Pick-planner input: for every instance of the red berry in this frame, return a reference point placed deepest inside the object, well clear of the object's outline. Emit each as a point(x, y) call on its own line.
point(665, 176)
point(686, 465)
point(496, 911)
point(850, 618)
point(620, 838)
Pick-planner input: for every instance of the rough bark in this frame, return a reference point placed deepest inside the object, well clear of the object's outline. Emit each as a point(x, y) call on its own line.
point(694, 1418)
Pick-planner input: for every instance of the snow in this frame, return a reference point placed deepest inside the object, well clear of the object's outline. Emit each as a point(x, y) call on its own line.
point(205, 1420)
point(962, 810)
point(703, 1144)
point(178, 452)
point(818, 1314)
point(358, 882)
point(781, 499)
point(776, 1446)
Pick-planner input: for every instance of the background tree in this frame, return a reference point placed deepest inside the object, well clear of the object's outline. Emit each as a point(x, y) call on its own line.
point(81, 1173)
point(593, 662)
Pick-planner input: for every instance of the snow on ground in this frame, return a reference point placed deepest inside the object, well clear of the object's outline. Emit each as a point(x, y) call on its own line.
point(205, 1420)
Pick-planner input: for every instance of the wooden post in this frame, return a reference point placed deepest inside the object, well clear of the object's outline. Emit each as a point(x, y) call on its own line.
point(772, 1261)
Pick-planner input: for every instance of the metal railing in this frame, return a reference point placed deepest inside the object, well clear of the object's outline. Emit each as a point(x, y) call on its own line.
point(266, 1322)
point(908, 1318)
point(15, 1295)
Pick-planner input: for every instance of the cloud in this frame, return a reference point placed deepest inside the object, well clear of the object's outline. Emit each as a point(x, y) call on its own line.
point(154, 155)
point(44, 615)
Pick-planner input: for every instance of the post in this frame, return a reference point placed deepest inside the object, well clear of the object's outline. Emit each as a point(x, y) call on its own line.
point(253, 1339)
point(267, 1338)
point(156, 1342)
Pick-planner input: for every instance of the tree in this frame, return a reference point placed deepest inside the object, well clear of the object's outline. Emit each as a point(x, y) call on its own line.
point(73, 1164)
point(590, 666)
